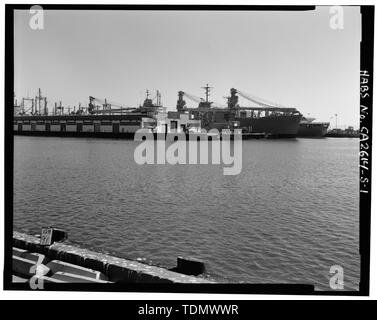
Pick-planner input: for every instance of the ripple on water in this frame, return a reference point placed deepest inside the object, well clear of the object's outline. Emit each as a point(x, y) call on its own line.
point(289, 215)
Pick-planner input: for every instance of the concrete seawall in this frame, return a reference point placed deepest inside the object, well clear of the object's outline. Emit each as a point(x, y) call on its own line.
point(115, 269)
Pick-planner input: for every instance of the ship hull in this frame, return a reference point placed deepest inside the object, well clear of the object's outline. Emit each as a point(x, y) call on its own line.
point(102, 135)
point(282, 126)
point(312, 130)
point(104, 126)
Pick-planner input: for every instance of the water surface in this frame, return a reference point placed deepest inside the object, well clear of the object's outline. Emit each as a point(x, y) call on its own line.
point(291, 214)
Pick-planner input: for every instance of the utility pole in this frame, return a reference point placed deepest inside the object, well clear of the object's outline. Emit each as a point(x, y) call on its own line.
point(336, 121)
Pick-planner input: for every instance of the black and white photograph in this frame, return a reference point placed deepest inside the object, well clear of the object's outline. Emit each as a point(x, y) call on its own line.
point(196, 149)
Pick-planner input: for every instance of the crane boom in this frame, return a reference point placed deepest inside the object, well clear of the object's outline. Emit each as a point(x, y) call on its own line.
point(108, 102)
point(121, 110)
point(259, 101)
point(192, 97)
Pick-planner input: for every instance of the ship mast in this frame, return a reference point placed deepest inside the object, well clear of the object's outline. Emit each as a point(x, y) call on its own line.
point(38, 100)
point(207, 89)
point(158, 98)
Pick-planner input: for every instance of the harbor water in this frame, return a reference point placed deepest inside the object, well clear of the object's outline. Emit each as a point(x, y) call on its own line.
point(291, 214)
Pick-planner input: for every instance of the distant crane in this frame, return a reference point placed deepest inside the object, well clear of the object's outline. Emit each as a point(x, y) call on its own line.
point(106, 106)
point(259, 101)
point(262, 103)
point(23, 111)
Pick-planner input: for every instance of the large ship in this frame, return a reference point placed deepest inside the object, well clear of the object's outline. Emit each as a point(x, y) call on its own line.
point(310, 129)
point(261, 118)
point(100, 119)
point(103, 118)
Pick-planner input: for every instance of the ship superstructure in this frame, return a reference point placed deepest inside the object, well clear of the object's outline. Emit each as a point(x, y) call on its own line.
point(100, 118)
point(105, 118)
point(260, 118)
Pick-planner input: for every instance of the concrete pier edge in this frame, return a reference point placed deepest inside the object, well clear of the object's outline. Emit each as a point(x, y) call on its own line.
point(117, 269)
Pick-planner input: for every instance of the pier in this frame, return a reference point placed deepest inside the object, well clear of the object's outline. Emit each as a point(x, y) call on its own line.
point(64, 263)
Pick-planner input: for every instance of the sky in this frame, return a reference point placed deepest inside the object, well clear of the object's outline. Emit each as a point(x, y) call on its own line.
point(292, 58)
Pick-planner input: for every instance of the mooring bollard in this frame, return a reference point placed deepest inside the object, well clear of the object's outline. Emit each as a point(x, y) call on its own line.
point(50, 235)
point(190, 266)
